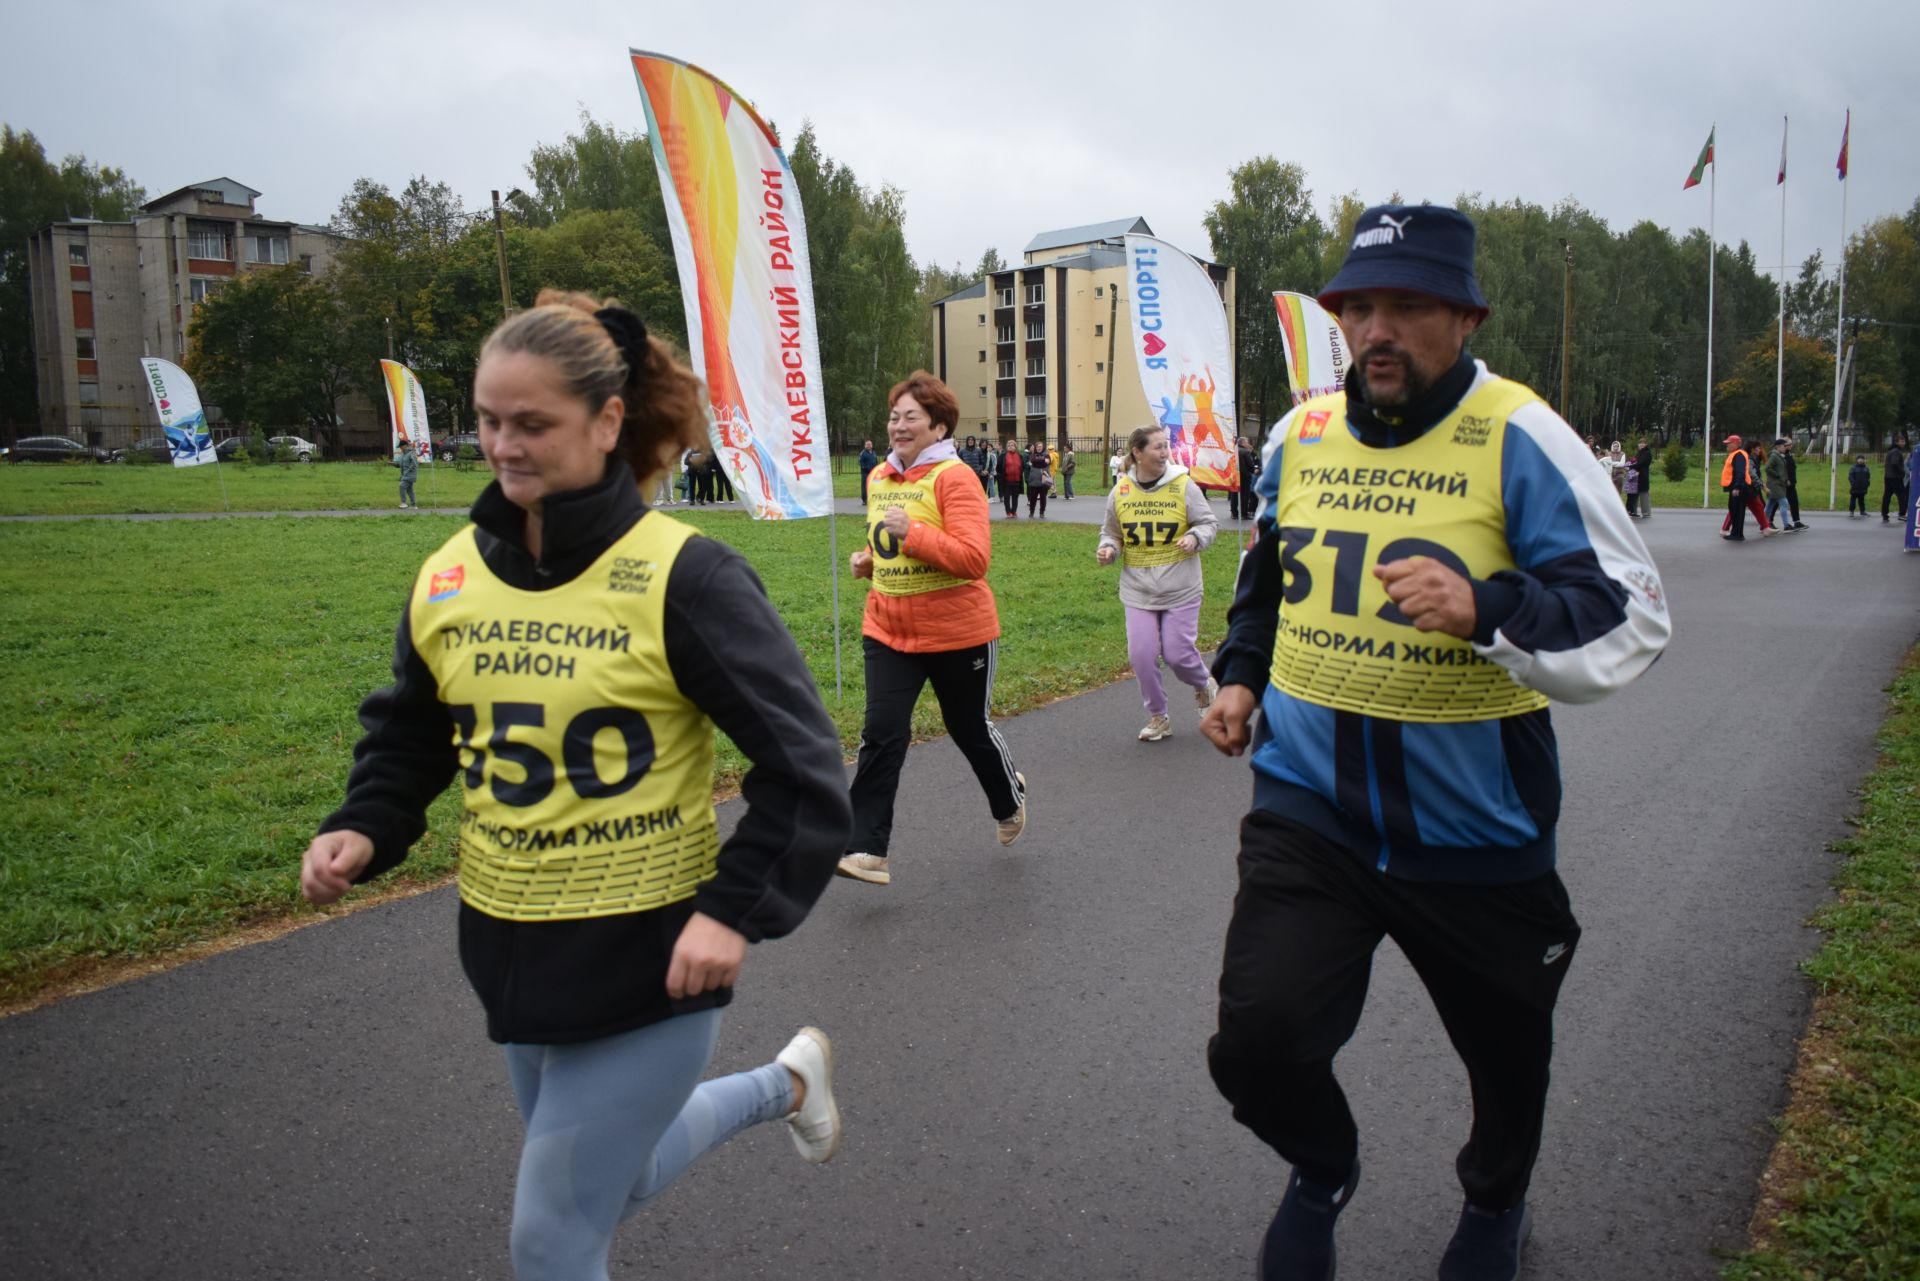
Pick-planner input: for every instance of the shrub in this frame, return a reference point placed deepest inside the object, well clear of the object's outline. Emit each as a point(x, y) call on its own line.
point(1673, 461)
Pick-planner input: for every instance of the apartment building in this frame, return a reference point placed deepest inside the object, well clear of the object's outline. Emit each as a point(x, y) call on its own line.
point(1027, 350)
point(105, 294)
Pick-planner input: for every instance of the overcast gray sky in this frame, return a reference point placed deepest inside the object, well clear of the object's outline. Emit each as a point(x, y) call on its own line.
point(1002, 119)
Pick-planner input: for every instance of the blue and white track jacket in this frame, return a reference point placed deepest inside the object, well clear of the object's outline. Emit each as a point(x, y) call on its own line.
point(1470, 802)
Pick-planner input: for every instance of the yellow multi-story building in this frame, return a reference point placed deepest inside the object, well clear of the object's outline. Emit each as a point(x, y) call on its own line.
point(1027, 350)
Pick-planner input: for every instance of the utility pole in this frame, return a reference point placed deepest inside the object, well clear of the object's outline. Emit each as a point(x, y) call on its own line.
point(1566, 336)
point(500, 252)
point(1106, 431)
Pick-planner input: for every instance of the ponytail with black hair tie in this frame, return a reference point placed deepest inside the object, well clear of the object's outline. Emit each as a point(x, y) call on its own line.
point(629, 334)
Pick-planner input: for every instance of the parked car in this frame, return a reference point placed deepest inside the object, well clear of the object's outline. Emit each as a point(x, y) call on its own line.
point(158, 448)
point(55, 449)
point(304, 451)
point(447, 448)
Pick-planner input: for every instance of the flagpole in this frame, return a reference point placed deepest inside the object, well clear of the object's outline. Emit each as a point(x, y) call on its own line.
point(833, 553)
point(1780, 366)
point(1839, 321)
point(1706, 446)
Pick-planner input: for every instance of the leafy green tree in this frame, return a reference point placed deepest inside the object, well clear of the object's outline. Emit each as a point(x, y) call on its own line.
point(1744, 401)
point(273, 349)
point(34, 192)
point(1267, 231)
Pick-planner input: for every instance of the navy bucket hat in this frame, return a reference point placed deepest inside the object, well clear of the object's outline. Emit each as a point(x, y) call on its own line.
point(1427, 249)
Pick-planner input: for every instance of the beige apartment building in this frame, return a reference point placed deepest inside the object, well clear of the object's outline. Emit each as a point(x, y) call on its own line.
point(107, 293)
point(1026, 349)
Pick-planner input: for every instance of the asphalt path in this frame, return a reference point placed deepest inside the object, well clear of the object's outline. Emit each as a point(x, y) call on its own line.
point(1021, 1032)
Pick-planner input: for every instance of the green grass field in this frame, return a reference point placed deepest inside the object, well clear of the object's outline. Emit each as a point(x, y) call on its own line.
point(181, 708)
point(1844, 1194)
point(43, 489)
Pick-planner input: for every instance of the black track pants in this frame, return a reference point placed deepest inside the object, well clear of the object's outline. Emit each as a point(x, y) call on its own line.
point(963, 682)
point(1299, 952)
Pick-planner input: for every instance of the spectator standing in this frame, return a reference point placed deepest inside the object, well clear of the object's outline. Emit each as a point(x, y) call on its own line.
point(868, 461)
point(1013, 479)
point(1893, 491)
point(970, 458)
point(1039, 478)
point(409, 472)
point(1067, 464)
point(1643, 463)
point(1859, 480)
point(1240, 499)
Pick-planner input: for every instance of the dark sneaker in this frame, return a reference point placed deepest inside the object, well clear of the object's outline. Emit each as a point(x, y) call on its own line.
point(1299, 1242)
point(1486, 1245)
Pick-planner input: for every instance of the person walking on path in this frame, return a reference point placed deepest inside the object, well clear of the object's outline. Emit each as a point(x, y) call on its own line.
point(1157, 524)
point(1859, 480)
point(1779, 510)
point(409, 472)
point(1893, 489)
point(1784, 449)
point(1067, 464)
point(602, 964)
point(929, 617)
point(1736, 478)
point(1643, 464)
point(868, 461)
point(1039, 478)
point(1401, 642)
point(1013, 479)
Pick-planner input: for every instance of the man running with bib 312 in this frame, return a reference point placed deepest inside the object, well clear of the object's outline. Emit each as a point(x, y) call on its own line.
point(1438, 556)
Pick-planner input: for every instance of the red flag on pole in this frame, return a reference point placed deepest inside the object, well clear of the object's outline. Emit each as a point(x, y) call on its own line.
point(1842, 162)
point(1783, 152)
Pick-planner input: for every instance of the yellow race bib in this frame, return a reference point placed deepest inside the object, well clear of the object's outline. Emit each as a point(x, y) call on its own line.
point(1342, 510)
point(587, 774)
point(894, 572)
point(1152, 522)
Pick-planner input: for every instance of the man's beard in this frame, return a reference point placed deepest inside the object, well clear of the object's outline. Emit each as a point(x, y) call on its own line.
point(1413, 385)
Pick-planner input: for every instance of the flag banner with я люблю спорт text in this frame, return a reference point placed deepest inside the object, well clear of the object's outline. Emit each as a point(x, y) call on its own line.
point(1185, 357)
point(177, 401)
point(740, 240)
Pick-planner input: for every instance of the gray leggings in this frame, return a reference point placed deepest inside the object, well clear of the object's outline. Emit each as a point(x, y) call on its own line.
point(612, 1122)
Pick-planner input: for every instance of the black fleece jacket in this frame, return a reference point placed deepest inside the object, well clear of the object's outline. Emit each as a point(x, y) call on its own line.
point(560, 981)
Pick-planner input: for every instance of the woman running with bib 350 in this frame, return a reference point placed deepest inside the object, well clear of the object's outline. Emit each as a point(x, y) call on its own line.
point(569, 654)
point(929, 617)
point(1158, 522)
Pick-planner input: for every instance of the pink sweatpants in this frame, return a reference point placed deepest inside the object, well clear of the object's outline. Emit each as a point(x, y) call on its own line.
point(1154, 634)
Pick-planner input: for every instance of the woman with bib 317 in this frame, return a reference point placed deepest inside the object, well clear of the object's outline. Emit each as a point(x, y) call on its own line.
point(1158, 522)
point(569, 654)
point(929, 617)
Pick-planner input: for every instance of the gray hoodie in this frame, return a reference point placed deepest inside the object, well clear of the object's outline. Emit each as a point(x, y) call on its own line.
point(1164, 586)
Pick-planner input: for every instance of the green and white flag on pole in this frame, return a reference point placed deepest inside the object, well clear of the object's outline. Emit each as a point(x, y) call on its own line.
point(1699, 173)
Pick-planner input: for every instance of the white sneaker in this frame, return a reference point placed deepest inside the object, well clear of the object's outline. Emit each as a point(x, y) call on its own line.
point(871, 868)
point(1156, 728)
point(815, 1124)
point(1203, 698)
point(1010, 828)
